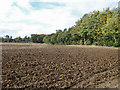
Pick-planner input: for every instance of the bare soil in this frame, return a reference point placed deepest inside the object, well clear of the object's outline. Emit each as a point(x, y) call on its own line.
point(48, 66)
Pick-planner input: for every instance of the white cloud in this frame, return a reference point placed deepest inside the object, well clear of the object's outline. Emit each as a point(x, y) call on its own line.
point(49, 19)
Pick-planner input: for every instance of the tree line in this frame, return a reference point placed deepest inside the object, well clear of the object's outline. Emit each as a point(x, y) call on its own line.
point(35, 38)
point(94, 28)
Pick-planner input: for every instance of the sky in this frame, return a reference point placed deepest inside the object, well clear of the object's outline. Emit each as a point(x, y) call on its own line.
point(26, 17)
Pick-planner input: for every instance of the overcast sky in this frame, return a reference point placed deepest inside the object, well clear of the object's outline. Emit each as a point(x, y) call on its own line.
point(25, 17)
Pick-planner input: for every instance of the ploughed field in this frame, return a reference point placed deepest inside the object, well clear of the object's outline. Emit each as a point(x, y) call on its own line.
point(41, 66)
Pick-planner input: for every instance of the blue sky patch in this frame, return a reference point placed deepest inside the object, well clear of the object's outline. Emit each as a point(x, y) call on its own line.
point(21, 8)
point(45, 5)
point(76, 13)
